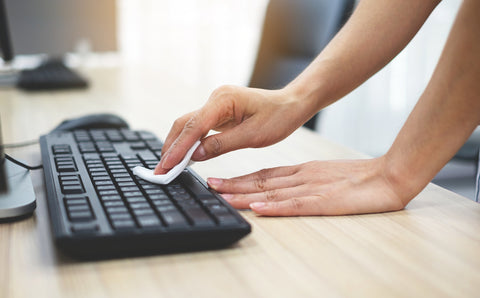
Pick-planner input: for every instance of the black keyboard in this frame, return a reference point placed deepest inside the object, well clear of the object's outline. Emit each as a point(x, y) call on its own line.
point(51, 75)
point(98, 208)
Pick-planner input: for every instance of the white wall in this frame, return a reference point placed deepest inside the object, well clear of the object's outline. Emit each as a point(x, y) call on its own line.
point(205, 43)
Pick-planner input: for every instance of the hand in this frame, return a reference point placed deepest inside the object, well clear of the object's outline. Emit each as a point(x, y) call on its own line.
point(246, 117)
point(316, 188)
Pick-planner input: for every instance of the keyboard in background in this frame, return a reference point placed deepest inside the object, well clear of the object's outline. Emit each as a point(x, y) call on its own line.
point(98, 208)
point(51, 75)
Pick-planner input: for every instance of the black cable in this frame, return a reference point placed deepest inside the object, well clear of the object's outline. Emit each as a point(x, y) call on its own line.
point(22, 164)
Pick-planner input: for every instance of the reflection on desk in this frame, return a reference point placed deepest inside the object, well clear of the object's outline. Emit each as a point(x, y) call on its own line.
point(430, 249)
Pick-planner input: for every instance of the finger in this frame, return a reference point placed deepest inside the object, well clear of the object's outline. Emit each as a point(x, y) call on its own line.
point(253, 186)
point(175, 131)
point(292, 207)
point(235, 138)
point(324, 204)
point(267, 173)
point(242, 201)
point(192, 130)
point(177, 127)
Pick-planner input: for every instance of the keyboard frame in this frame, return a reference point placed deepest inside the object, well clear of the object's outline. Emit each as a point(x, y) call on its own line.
point(106, 243)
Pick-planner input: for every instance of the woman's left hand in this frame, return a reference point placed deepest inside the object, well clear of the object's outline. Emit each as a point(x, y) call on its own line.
point(316, 188)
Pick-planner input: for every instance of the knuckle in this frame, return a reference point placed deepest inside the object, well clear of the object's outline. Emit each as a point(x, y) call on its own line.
point(191, 123)
point(222, 91)
point(296, 204)
point(261, 180)
point(271, 195)
point(215, 145)
point(179, 122)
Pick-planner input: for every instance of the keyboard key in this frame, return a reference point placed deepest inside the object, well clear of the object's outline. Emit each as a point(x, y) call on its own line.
point(159, 197)
point(149, 222)
point(103, 182)
point(132, 200)
point(114, 203)
point(126, 189)
point(218, 209)
point(85, 228)
point(108, 193)
point(130, 136)
point(175, 219)
point(132, 194)
point(147, 156)
point(61, 149)
point(165, 208)
point(122, 209)
point(120, 216)
point(105, 187)
point(199, 217)
point(145, 135)
point(70, 201)
point(110, 198)
point(75, 208)
point(162, 202)
point(124, 184)
point(81, 215)
point(194, 185)
point(143, 212)
point(139, 205)
point(121, 224)
point(154, 145)
point(73, 189)
point(138, 146)
point(227, 219)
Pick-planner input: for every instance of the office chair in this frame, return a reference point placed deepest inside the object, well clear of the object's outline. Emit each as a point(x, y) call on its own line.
point(294, 33)
point(470, 152)
point(477, 186)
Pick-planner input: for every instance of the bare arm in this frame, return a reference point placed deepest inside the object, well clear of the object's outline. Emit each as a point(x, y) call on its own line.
point(375, 33)
point(446, 114)
point(449, 109)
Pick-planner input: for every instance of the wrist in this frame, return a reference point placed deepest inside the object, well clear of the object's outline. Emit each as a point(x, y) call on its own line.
point(404, 182)
point(306, 97)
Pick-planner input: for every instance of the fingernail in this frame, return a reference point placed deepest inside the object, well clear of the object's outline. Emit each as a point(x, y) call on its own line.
point(164, 161)
point(199, 154)
point(214, 182)
point(158, 169)
point(227, 196)
point(257, 205)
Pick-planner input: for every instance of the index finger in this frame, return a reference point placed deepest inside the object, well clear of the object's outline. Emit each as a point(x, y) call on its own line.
point(173, 143)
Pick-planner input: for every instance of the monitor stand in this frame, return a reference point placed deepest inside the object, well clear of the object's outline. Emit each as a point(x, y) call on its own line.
point(8, 77)
point(19, 199)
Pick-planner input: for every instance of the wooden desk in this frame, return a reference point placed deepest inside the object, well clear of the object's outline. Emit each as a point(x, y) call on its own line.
point(430, 249)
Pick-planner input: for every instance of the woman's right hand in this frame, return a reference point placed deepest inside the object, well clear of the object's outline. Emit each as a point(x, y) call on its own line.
point(245, 117)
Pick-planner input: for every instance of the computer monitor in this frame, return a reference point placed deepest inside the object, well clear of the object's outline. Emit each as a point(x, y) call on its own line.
point(57, 27)
point(5, 43)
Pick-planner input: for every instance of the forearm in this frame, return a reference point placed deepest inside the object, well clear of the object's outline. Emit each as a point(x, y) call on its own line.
point(376, 32)
point(447, 112)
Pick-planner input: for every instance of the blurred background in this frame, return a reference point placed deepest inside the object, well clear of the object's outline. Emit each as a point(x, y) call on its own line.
point(206, 43)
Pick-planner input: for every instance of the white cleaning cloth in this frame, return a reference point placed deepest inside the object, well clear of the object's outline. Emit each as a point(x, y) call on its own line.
point(147, 174)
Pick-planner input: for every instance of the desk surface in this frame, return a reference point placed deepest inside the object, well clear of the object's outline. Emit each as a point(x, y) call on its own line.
point(432, 248)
